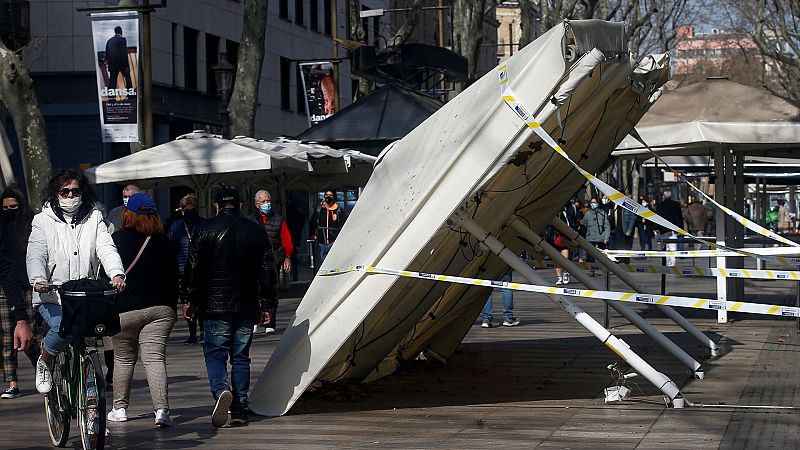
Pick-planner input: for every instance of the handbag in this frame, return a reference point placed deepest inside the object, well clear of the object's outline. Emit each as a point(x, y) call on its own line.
point(89, 307)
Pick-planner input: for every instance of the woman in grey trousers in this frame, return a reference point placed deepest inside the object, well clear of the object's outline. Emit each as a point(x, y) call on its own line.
point(147, 306)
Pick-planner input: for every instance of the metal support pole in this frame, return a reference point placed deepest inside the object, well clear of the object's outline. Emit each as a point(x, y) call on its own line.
point(719, 196)
point(658, 379)
point(147, 80)
point(334, 35)
point(628, 279)
point(622, 308)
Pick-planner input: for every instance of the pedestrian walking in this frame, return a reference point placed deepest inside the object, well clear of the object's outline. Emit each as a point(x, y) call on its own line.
point(180, 234)
point(232, 281)
point(598, 228)
point(508, 307)
point(326, 224)
point(146, 307)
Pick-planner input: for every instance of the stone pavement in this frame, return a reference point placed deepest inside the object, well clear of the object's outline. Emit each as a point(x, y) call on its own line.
point(536, 385)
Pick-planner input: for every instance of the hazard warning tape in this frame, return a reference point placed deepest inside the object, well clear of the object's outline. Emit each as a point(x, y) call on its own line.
point(650, 299)
point(749, 224)
point(614, 195)
point(685, 271)
point(704, 254)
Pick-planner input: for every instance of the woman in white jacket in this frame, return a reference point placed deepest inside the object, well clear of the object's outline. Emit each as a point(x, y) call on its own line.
point(68, 241)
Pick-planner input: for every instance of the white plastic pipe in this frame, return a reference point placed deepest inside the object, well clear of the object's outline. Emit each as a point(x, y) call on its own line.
point(622, 308)
point(628, 279)
point(658, 379)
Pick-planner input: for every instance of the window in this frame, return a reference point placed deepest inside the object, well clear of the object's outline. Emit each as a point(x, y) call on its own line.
point(286, 79)
point(313, 14)
point(301, 92)
point(190, 58)
point(15, 23)
point(283, 9)
point(212, 58)
point(327, 17)
point(299, 13)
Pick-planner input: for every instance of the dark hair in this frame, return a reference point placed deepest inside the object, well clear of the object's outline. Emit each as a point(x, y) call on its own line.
point(24, 218)
point(62, 177)
point(147, 225)
point(117, 29)
point(227, 195)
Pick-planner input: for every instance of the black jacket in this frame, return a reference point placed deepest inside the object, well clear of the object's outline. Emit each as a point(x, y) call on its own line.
point(670, 210)
point(8, 274)
point(231, 267)
point(327, 223)
point(153, 281)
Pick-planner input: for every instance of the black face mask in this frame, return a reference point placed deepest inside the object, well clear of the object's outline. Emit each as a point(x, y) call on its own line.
point(191, 215)
point(329, 200)
point(10, 214)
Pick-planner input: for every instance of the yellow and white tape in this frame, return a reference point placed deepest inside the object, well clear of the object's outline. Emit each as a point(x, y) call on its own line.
point(773, 252)
point(668, 300)
point(614, 195)
point(749, 224)
point(685, 271)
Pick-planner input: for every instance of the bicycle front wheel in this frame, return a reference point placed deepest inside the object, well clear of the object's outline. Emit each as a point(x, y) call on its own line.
point(56, 405)
point(92, 403)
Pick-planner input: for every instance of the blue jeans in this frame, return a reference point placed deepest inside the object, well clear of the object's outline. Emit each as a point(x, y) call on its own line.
point(508, 302)
point(323, 251)
point(52, 342)
point(229, 336)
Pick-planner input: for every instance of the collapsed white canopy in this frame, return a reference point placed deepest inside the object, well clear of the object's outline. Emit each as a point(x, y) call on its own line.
point(473, 154)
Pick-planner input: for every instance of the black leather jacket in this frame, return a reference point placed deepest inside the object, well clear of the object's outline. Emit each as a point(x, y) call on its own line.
point(231, 267)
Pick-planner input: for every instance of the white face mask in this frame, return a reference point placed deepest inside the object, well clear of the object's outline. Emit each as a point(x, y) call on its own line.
point(644, 204)
point(70, 205)
point(124, 201)
point(604, 200)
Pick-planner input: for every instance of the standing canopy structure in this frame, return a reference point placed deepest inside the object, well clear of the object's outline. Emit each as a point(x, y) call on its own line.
point(695, 119)
point(475, 161)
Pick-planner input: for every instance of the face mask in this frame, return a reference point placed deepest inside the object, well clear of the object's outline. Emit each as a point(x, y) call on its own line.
point(329, 200)
point(125, 201)
point(593, 206)
point(266, 208)
point(10, 214)
point(605, 201)
point(644, 204)
point(70, 205)
point(191, 215)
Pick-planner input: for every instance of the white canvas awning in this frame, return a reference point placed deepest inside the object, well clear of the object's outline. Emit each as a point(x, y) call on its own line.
point(474, 154)
point(695, 119)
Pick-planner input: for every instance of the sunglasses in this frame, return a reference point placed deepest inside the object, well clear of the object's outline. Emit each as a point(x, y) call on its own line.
point(64, 192)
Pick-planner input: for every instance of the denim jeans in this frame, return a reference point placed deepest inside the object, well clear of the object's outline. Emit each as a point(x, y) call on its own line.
point(52, 342)
point(323, 252)
point(229, 336)
point(508, 302)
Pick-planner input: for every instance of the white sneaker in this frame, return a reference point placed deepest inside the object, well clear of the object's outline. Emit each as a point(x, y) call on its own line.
point(117, 415)
point(163, 419)
point(44, 379)
point(255, 328)
point(565, 278)
point(269, 330)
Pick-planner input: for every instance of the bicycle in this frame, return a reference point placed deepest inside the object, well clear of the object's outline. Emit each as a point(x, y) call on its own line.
point(78, 392)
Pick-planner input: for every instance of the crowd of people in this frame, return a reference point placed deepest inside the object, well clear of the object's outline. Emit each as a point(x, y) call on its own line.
point(223, 269)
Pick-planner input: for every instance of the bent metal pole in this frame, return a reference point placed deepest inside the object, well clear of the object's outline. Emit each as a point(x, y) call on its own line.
point(628, 279)
point(648, 329)
point(658, 379)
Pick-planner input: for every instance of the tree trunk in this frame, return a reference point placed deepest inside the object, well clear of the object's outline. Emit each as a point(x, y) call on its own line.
point(529, 14)
point(468, 32)
point(244, 98)
point(17, 95)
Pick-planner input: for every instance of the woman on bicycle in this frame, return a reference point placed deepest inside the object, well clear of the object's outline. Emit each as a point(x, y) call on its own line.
point(68, 241)
point(147, 307)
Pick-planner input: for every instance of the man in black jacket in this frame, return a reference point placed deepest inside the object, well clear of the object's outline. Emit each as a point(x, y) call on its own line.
point(231, 277)
point(670, 210)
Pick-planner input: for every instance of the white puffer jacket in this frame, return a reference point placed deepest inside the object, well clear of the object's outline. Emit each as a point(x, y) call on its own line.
point(60, 251)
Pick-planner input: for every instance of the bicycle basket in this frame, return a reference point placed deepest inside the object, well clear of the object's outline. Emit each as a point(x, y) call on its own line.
point(88, 309)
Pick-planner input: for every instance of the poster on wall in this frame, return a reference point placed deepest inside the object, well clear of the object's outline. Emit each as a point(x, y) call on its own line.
point(319, 89)
point(116, 57)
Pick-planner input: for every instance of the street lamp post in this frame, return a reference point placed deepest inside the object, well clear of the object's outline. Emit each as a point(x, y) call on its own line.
point(223, 74)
